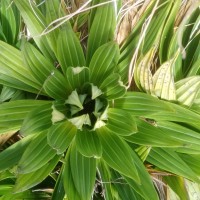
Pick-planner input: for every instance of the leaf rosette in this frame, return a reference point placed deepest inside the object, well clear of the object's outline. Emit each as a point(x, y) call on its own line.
point(80, 114)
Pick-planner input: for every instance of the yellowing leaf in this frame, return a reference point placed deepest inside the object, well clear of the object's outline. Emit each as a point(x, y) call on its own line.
point(163, 81)
point(187, 90)
point(143, 75)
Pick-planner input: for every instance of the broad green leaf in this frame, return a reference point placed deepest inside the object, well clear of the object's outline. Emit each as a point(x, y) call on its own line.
point(77, 77)
point(37, 154)
point(2, 36)
point(59, 191)
point(193, 45)
point(193, 161)
point(102, 29)
point(164, 134)
point(168, 31)
point(180, 114)
point(69, 50)
point(190, 139)
point(56, 85)
point(117, 153)
point(195, 32)
point(170, 161)
point(53, 12)
point(88, 143)
point(126, 52)
point(156, 25)
point(145, 188)
point(143, 152)
point(126, 192)
point(196, 105)
point(177, 184)
point(25, 195)
point(35, 23)
point(195, 69)
point(60, 136)
point(193, 59)
point(13, 73)
point(172, 50)
point(19, 95)
point(11, 156)
point(5, 188)
point(183, 31)
point(40, 67)
point(140, 104)
point(8, 21)
point(6, 175)
point(26, 181)
point(13, 113)
point(92, 12)
point(143, 76)
point(68, 181)
point(113, 87)
point(18, 20)
point(121, 122)
point(7, 93)
point(103, 62)
point(144, 105)
point(163, 81)
point(39, 119)
point(122, 189)
point(197, 100)
point(196, 108)
point(194, 150)
point(150, 134)
point(187, 90)
point(83, 171)
point(107, 181)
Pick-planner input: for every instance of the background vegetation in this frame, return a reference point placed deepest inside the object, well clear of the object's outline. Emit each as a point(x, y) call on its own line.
point(99, 99)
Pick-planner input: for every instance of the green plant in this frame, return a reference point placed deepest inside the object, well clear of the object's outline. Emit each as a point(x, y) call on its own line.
point(83, 117)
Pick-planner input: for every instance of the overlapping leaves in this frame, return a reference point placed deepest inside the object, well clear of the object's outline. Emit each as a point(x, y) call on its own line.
point(88, 113)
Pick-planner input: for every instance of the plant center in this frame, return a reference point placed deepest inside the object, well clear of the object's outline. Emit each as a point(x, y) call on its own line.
point(88, 107)
point(86, 112)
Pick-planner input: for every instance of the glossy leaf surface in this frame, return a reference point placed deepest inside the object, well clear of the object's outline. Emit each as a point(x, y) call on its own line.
point(26, 181)
point(13, 113)
point(38, 148)
point(169, 160)
point(37, 120)
point(121, 122)
point(88, 143)
point(103, 62)
point(83, 171)
point(117, 153)
point(60, 136)
point(102, 28)
point(11, 156)
point(112, 87)
point(69, 50)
